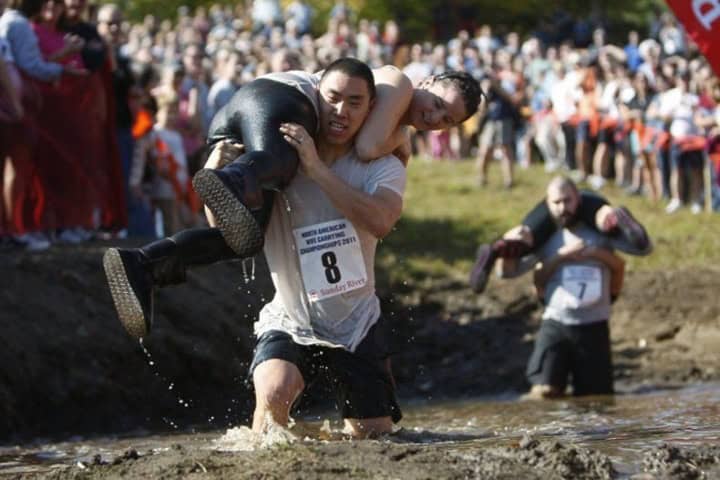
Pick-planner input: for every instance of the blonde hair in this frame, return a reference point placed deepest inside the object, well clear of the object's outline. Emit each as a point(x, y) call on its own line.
point(166, 98)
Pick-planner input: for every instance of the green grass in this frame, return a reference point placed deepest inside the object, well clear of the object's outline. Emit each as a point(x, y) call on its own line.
point(446, 216)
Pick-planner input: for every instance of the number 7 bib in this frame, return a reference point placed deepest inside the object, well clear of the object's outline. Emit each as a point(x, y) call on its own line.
point(581, 285)
point(331, 260)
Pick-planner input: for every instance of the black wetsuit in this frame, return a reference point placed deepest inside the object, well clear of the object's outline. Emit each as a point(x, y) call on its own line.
point(252, 117)
point(541, 223)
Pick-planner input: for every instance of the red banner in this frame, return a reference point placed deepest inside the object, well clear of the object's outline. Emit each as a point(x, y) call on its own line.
point(701, 19)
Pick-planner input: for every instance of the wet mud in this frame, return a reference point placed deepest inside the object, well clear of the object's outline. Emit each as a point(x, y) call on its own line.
point(528, 458)
point(69, 369)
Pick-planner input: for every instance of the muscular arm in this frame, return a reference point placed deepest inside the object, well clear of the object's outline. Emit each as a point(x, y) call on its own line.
point(380, 134)
point(376, 213)
point(608, 258)
point(514, 267)
point(616, 265)
point(545, 270)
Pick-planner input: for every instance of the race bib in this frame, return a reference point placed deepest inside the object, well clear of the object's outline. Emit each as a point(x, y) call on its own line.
point(581, 286)
point(331, 260)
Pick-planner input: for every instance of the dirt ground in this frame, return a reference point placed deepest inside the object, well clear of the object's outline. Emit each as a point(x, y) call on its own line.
point(527, 459)
point(70, 369)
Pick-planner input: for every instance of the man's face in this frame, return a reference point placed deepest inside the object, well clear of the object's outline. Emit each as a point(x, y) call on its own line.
point(74, 8)
point(436, 107)
point(563, 204)
point(344, 105)
point(192, 60)
point(109, 23)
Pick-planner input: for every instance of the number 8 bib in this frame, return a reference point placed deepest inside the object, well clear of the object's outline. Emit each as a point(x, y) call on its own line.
point(331, 260)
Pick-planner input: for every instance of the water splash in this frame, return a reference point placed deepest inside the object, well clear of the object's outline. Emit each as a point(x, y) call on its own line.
point(243, 439)
point(171, 385)
point(251, 277)
point(623, 427)
point(148, 356)
point(287, 202)
point(239, 439)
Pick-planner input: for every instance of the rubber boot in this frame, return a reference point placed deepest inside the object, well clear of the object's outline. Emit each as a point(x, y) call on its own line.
point(253, 117)
point(234, 194)
point(630, 229)
point(486, 256)
point(133, 274)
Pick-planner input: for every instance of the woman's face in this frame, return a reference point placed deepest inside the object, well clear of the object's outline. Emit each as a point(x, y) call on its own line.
point(436, 106)
point(640, 82)
point(51, 11)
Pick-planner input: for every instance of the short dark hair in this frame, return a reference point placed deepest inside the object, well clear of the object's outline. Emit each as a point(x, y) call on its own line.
point(468, 87)
point(353, 68)
point(29, 8)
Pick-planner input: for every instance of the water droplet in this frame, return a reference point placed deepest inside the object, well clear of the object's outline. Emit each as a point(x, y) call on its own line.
point(287, 203)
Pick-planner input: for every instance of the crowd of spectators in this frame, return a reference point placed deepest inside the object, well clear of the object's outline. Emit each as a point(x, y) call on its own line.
point(103, 122)
point(644, 114)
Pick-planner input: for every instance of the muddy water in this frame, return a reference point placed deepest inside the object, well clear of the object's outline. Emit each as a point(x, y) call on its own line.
point(622, 427)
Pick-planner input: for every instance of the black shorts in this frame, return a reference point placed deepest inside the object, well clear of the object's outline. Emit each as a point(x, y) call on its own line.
point(362, 380)
point(582, 351)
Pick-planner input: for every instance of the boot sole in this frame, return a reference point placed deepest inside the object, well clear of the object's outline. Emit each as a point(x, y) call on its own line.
point(234, 220)
point(127, 304)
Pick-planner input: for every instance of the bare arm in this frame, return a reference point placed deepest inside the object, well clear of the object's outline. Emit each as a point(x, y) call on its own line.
point(379, 135)
point(578, 252)
point(376, 213)
point(142, 149)
point(193, 110)
point(546, 269)
point(617, 274)
point(7, 86)
point(72, 45)
point(616, 52)
point(514, 267)
point(615, 263)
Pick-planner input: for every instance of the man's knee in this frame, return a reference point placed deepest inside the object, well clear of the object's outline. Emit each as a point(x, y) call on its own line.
point(277, 384)
point(368, 427)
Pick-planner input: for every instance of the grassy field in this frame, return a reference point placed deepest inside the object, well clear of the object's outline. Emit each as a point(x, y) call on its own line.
point(446, 216)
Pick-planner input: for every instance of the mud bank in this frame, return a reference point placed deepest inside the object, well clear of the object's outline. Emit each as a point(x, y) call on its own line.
point(70, 369)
